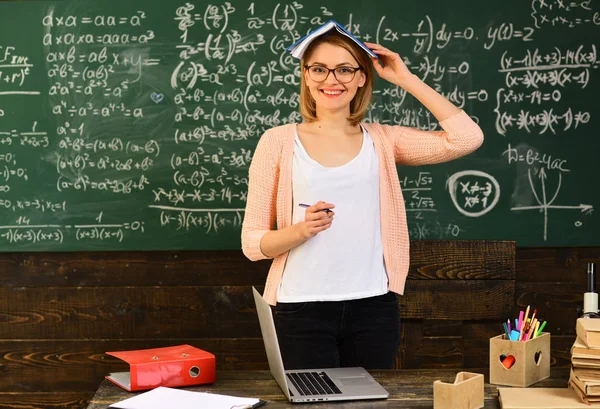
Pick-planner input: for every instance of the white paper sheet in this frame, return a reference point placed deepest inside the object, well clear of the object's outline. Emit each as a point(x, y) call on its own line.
point(170, 398)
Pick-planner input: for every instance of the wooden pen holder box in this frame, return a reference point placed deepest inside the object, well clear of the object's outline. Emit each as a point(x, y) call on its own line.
point(531, 360)
point(465, 393)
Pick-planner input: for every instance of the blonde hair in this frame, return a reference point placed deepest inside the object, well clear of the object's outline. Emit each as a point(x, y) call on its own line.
point(360, 103)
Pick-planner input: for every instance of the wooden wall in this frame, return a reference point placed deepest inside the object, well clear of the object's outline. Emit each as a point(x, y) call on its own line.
point(59, 312)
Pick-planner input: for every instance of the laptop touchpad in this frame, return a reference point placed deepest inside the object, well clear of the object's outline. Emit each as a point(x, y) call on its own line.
point(355, 380)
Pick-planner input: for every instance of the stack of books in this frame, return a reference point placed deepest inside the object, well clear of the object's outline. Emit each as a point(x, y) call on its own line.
point(585, 361)
point(297, 49)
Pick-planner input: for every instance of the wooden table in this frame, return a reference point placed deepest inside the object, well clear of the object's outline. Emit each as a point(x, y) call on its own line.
point(408, 389)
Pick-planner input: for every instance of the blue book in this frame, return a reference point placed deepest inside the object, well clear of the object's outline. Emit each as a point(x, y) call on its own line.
point(297, 49)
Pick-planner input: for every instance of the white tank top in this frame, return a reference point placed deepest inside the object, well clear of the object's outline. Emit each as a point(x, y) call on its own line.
point(345, 261)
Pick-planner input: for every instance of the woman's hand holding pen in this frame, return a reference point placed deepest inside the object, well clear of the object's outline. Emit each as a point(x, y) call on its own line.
point(395, 70)
point(318, 218)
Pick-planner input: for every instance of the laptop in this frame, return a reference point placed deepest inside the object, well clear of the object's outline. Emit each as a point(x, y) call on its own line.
point(313, 385)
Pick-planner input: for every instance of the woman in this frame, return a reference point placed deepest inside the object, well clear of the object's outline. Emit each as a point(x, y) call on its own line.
point(341, 248)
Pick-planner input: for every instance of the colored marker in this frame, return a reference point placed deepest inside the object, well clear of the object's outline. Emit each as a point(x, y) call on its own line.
point(541, 328)
point(520, 321)
point(523, 324)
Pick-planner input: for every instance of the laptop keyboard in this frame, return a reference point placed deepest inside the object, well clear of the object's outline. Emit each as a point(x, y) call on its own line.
point(313, 383)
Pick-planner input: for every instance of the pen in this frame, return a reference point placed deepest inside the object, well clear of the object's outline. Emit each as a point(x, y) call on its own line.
point(307, 205)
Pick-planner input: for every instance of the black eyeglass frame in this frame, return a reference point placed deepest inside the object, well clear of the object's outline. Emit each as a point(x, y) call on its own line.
point(330, 70)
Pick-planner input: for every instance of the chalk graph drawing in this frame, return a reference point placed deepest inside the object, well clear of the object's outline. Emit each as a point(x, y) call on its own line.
point(544, 205)
point(473, 192)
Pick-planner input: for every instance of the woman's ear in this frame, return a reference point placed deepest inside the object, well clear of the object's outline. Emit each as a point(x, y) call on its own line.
point(305, 75)
point(362, 79)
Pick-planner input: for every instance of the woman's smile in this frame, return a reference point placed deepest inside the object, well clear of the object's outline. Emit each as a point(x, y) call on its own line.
point(331, 92)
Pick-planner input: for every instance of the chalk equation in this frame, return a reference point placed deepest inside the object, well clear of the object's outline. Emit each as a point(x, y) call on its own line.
point(153, 112)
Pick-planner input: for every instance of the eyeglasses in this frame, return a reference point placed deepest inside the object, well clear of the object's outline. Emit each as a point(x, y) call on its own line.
point(319, 73)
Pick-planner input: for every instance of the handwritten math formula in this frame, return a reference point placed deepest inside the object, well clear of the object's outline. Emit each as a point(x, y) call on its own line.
point(128, 123)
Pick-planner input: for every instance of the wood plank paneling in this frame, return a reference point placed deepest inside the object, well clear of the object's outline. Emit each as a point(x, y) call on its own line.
point(563, 264)
point(48, 365)
point(441, 344)
point(116, 269)
point(203, 312)
point(442, 328)
point(410, 353)
point(443, 352)
point(560, 350)
point(457, 299)
point(45, 400)
point(462, 260)
point(557, 303)
point(80, 365)
point(477, 336)
point(127, 312)
point(456, 260)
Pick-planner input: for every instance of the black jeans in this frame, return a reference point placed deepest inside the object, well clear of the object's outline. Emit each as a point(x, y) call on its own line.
point(331, 334)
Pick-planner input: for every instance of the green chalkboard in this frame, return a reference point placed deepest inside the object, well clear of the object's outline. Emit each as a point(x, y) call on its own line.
point(130, 125)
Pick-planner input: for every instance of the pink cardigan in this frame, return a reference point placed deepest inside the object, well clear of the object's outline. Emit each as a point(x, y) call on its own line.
point(270, 187)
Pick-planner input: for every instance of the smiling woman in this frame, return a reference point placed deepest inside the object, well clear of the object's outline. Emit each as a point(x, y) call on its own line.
point(351, 75)
point(334, 285)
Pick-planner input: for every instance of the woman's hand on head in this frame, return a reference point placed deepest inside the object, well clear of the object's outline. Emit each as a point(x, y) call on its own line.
point(395, 70)
point(316, 219)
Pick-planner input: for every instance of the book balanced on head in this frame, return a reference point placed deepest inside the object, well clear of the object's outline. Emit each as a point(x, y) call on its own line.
point(297, 49)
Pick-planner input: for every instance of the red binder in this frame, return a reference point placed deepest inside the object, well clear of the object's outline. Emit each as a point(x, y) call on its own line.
point(182, 365)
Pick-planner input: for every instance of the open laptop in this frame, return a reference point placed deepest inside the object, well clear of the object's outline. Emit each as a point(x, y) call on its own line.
point(313, 385)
